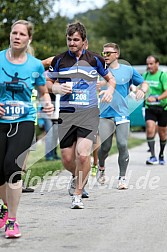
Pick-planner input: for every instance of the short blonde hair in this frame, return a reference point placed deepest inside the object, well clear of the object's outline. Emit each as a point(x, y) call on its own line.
point(113, 45)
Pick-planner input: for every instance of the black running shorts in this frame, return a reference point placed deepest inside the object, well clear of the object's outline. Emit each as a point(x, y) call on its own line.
point(83, 123)
point(157, 115)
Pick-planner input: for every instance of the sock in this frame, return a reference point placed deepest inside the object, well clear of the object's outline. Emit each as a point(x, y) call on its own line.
point(151, 144)
point(162, 147)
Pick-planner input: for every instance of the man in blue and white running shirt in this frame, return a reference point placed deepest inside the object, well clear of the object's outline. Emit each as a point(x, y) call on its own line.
point(73, 74)
point(117, 112)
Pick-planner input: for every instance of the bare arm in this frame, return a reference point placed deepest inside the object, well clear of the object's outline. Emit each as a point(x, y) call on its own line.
point(160, 97)
point(108, 93)
point(55, 87)
point(46, 62)
point(46, 100)
point(163, 95)
point(2, 110)
point(142, 91)
point(100, 84)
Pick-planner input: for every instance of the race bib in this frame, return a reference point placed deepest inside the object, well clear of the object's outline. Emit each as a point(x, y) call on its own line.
point(79, 97)
point(121, 119)
point(15, 110)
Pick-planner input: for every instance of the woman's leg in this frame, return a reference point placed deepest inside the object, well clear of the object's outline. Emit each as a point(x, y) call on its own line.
point(18, 147)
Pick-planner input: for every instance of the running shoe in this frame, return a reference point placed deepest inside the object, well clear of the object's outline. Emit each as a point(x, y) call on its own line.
point(85, 194)
point(161, 160)
point(12, 229)
point(72, 186)
point(152, 161)
point(3, 215)
point(101, 176)
point(94, 170)
point(26, 189)
point(122, 185)
point(77, 202)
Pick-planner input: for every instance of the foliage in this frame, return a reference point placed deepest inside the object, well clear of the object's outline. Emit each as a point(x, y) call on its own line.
point(89, 19)
point(49, 30)
point(139, 27)
point(52, 41)
point(10, 11)
point(35, 11)
point(39, 170)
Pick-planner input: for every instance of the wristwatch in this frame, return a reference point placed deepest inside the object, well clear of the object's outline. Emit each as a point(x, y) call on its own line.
point(156, 99)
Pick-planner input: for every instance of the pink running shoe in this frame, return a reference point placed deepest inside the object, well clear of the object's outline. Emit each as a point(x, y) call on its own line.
point(3, 215)
point(12, 229)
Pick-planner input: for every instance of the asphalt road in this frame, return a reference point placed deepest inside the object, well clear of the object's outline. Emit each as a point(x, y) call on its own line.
point(113, 220)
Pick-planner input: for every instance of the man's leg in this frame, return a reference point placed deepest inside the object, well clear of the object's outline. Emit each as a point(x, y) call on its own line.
point(151, 126)
point(106, 130)
point(96, 145)
point(150, 131)
point(83, 150)
point(163, 136)
point(68, 158)
point(122, 133)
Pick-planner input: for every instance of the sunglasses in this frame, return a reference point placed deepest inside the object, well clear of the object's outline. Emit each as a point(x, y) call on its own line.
point(107, 53)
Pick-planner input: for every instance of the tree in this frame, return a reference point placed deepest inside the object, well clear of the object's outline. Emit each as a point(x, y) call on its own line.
point(49, 38)
point(36, 11)
point(139, 27)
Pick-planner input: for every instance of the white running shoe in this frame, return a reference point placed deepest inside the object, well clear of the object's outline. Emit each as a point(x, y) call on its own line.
point(101, 176)
point(77, 202)
point(72, 186)
point(122, 185)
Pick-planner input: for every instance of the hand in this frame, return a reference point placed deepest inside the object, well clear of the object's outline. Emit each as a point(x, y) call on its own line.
point(2, 110)
point(66, 88)
point(62, 89)
point(107, 95)
point(140, 94)
point(48, 108)
point(151, 99)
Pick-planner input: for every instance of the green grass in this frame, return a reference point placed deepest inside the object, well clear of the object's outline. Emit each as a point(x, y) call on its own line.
point(38, 167)
point(39, 170)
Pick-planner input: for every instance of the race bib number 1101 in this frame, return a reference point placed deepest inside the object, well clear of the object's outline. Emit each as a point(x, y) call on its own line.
point(15, 110)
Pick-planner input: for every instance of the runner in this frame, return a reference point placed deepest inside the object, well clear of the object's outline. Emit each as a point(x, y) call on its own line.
point(19, 73)
point(156, 109)
point(114, 118)
point(73, 74)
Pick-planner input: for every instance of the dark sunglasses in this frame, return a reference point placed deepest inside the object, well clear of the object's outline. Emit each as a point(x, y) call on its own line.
point(107, 53)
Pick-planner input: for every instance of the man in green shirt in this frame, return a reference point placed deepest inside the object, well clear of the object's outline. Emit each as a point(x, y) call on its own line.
point(156, 108)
